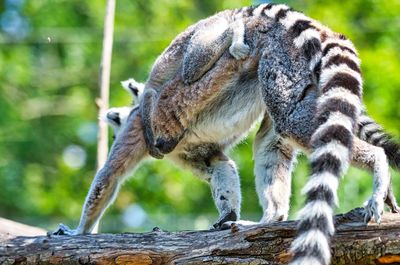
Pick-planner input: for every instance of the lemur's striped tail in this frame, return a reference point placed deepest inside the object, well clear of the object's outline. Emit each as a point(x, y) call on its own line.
point(338, 108)
point(373, 133)
point(335, 63)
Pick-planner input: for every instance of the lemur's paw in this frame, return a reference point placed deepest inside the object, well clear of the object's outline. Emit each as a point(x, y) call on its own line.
point(239, 50)
point(273, 218)
point(373, 208)
point(238, 223)
point(64, 230)
point(230, 216)
point(390, 201)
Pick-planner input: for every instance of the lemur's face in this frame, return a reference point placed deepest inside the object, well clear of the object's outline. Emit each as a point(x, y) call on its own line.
point(117, 117)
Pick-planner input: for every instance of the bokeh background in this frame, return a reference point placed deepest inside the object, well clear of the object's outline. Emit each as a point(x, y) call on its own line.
point(49, 63)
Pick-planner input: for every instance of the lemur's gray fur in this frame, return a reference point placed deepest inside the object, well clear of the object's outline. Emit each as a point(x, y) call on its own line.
point(194, 51)
point(302, 77)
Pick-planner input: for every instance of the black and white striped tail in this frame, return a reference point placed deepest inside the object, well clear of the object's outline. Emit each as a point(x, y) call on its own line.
point(333, 59)
point(338, 109)
point(373, 133)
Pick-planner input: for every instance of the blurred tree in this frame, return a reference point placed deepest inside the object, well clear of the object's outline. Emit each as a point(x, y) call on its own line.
point(49, 59)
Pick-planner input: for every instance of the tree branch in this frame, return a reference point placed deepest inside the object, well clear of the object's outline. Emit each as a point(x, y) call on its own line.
point(354, 243)
point(9, 229)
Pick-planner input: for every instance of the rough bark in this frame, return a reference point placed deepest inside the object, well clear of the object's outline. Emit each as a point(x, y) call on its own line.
point(354, 243)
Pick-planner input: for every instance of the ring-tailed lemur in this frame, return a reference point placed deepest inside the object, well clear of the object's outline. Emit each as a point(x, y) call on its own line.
point(304, 103)
point(118, 116)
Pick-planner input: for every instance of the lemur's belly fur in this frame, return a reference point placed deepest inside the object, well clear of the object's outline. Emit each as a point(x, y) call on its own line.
point(230, 116)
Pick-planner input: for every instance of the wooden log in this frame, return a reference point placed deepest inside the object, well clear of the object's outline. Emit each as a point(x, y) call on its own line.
point(9, 229)
point(354, 243)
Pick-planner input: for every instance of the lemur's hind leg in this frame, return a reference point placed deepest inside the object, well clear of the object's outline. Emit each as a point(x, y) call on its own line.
point(374, 158)
point(209, 163)
point(127, 151)
point(273, 167)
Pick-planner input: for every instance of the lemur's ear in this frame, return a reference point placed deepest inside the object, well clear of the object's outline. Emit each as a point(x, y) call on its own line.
point(133, 87)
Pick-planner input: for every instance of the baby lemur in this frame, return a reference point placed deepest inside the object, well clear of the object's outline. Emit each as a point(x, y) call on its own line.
point(305, 80)
point(192, 53)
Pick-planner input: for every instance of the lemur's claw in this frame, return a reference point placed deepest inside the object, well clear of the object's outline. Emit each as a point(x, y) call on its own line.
point(64, 230)
point(374, 208)
point(238, 224)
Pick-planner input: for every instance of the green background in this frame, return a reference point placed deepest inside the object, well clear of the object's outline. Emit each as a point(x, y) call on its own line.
point(49, 63)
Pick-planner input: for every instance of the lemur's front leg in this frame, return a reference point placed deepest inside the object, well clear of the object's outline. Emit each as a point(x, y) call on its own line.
point(208, 162)
point(127, 151)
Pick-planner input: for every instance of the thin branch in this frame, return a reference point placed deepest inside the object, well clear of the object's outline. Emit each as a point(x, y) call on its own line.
point(105, 70)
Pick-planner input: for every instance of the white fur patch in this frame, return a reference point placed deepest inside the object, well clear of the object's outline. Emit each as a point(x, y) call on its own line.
point(343, 43)
point(257, 11)
point(325, 179)
point(338, 51)
point(131, 83)
point(306, 35)
point(123, 113)
point(314, 60)
point(274, 10)
point(341, 94)
point(335, 118)
point(292, 18)
point(328, 73)
point(310, 239)
point(337, 150)
point(317, 209)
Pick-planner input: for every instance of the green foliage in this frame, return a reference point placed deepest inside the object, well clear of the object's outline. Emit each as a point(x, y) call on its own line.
point(49, 81)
